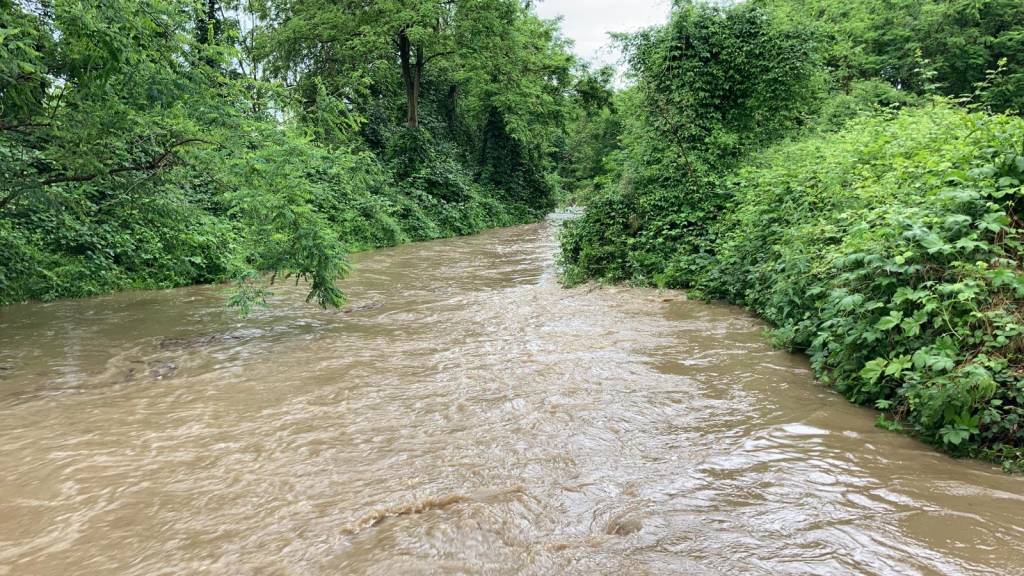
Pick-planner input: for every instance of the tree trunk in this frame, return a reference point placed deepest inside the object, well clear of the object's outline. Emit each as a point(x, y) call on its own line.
point(411, 72)
point(414, 104)
point(209, 28)
point(451, 112)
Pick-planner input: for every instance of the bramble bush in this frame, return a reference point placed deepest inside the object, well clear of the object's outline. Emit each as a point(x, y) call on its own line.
point(890, 252)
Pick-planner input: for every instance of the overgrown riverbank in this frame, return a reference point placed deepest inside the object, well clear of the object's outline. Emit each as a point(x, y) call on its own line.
point(158, 143)
point(850, 170)
point(890, 252)
point(876, 225)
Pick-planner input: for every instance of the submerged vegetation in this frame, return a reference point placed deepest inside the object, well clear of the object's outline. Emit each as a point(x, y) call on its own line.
point(159, 143)
point(852, 172)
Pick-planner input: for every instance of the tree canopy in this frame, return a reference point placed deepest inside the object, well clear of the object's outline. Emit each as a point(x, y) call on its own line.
point(165, 142)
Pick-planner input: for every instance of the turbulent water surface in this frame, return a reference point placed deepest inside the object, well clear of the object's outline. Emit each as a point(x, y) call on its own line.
point(465, 415)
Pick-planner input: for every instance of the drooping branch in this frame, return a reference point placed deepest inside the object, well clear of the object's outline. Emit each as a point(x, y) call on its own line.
point(153, 164)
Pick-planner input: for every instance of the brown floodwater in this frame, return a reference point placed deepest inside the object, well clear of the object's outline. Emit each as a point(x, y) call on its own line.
point(465, 415)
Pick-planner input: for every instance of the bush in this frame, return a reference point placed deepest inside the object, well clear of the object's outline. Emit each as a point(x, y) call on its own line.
point(712, 85)
point(890, 252)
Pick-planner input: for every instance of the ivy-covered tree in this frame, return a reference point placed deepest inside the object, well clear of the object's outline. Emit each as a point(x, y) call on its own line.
point(711, 85)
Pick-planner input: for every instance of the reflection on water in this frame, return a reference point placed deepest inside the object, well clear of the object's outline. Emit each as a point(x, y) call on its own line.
point(465, 415)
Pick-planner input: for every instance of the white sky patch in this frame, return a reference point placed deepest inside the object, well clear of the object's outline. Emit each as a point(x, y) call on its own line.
point(588, 22)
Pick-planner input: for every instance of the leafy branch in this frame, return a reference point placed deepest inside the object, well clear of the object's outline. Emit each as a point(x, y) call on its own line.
point(155, 163)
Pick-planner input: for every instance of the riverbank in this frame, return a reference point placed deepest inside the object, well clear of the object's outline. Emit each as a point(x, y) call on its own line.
point(889, 251)
point(46, 267)
point(874, 223)
point(151, 145)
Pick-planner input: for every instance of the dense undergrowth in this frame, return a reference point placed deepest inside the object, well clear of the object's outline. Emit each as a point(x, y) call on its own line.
point(890, 252)
point(289, 205)
point(160, 143)
point(875, 223)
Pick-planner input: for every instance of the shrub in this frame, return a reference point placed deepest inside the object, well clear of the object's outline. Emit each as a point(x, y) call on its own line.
point(890, 252)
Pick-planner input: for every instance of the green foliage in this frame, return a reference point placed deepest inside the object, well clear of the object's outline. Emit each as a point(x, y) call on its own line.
point(159, 143)
point(511, 166)
point(920, 46)
point(591, 135)
point(883, 238)
point(890, 251)
point(712, 84)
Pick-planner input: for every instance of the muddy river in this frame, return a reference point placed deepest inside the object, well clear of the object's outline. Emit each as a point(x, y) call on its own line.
point(464, 415)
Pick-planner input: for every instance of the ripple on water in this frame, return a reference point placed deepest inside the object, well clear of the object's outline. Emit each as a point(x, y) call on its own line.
point(464, 415)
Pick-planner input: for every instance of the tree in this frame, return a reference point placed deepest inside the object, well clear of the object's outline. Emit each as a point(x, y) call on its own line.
point(592, 130)
point(920, 46)
point(340, 38)
point(120, 130)
point(156, 143)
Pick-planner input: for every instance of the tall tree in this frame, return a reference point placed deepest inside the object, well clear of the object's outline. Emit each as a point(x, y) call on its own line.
point(341, 39)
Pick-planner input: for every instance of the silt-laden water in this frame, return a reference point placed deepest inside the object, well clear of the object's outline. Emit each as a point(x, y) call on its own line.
point(465, 415)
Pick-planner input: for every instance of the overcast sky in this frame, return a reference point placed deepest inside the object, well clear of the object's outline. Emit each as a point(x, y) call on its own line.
point(588, 22)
